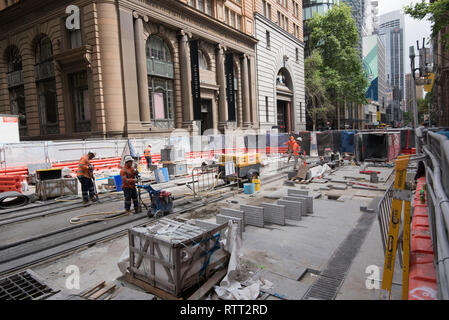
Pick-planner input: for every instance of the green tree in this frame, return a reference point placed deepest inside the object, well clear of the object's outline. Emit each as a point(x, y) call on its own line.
point(316, 95)
point(408, 117)
point(437, 13)
point(334, 35)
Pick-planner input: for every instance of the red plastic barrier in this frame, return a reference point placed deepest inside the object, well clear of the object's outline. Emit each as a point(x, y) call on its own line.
point(422, 276)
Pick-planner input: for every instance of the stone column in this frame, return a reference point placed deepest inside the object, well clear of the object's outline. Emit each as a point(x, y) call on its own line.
point(221, 80)
point(253, 92)
point(246, 93)
point(111, 68)
point(186, 88)
point(141, 65)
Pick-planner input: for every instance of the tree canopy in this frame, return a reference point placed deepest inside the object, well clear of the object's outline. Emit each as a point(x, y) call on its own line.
point(334, 35)
point(437, 13)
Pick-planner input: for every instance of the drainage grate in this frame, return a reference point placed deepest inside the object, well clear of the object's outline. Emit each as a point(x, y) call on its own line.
point(330, 280)
point(23, 286)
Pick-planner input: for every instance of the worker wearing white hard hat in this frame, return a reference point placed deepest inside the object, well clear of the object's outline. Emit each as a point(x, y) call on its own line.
point(147, 155)
point(128, 175)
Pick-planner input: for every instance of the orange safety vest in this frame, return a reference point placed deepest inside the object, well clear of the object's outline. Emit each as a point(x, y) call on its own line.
point(296, 149)
point(83, 167)
point(128, 177)
point(147, 152)
point(290, 143)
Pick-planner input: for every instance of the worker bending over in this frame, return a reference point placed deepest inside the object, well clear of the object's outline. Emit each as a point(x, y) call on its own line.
point(129, 174)
point(290, 143)
point(147, 155)
point(85, 175)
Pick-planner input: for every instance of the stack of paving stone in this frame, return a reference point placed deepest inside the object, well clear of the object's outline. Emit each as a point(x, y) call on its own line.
point(301, 195)
point(234, 215)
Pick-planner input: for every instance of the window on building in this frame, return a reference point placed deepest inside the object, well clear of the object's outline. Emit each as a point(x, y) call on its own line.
point(46, 86)
point(80, 101)
point(279, 19)
point(267, 110)
point(286, 24)
point(268, 39)
point(202, 5)
point(264, 7)
point(297, 54)
point(202, 60)
point(227, 15)
point(268, 11)
point(16, 87)
point(239, 22)
point(160, 83)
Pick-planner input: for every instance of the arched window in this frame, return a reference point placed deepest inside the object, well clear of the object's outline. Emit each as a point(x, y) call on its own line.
point(202, 60)
point(158, 50)
point(43, 50)
point(14, 60)
point(46, 86)
point(160, 83)
point(16, 87)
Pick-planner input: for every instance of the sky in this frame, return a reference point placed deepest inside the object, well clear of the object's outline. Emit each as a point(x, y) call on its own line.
point(414, 29)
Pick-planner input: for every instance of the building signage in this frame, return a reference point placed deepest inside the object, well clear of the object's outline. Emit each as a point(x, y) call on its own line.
point(229, 66)
point(196, 89)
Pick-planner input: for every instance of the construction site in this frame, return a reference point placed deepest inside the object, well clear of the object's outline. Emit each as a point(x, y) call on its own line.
point(353, 216)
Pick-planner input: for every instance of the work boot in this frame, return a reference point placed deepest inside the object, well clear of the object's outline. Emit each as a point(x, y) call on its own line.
point(94, 199)
point(128, 211)
point(85, 203)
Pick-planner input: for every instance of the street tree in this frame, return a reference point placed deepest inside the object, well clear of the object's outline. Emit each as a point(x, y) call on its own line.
point(334, 35)
point(316, 95)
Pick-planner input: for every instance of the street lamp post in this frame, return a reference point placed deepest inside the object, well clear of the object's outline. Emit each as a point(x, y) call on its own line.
point(415, 104)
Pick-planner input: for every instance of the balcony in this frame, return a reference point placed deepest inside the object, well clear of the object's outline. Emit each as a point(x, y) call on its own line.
point(15, 79)
point(44, 70)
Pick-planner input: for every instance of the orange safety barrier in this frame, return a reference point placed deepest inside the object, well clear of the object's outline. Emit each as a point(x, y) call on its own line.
point(11, 183)
point(422, 276)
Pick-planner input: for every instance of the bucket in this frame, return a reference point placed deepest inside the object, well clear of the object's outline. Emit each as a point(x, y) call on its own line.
point(256, 184)
point(118, 182)
point(248, 188)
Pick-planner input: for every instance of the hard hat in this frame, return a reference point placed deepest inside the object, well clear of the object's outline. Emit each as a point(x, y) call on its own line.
point(149, 145)
point(128, 158)
point(92, 153)
point(299, 139)
point(291, 137)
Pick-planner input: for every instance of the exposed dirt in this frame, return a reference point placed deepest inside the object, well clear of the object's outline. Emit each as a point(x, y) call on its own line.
point(204, 213)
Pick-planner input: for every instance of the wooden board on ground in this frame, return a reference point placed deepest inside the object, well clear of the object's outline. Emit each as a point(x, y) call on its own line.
point(205, 288)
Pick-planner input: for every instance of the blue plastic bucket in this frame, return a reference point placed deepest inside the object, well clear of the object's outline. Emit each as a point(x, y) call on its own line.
point(249, 188)
point(118, 182)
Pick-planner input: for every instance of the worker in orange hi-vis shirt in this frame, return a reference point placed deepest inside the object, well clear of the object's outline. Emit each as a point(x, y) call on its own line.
point(290, 143)
point(129, 178)
point(85, 175)
point(147, 155)
point(296, 152)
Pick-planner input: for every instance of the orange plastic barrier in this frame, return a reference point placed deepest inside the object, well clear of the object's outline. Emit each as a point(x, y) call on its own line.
point(422, 277)
point(11, 183)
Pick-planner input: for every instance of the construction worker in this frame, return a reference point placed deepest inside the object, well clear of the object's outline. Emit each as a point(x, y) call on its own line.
point(129, 175)
point(296, 151)
point(85, 176)
point(147, 155)
point(290, 143)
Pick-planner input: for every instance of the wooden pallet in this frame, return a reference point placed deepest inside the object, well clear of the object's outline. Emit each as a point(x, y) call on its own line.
point(100, 291)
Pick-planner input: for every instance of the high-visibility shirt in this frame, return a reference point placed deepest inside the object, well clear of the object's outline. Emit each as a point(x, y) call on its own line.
point(290, 143)
point(128, 177)
point(147, 152)
point(296, 149)
point(83, 167)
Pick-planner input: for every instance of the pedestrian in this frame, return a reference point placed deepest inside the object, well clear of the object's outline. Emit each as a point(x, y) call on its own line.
point(290, 143)
point(85, 175)
point(129, 174)
point(147, 155)
point(296, 152)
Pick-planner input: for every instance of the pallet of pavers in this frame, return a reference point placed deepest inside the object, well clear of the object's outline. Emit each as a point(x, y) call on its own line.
point(169, 258)
point(303, 194)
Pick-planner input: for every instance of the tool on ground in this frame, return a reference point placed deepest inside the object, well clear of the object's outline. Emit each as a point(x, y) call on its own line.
point(401, 198)
point(369, 172)
point(161, 201)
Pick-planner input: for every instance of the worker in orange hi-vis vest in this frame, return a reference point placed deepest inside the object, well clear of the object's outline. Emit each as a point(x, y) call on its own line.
point(290, 143)
point(85, 176)
point(147, 155)
point(296, 152)
point(129, 175)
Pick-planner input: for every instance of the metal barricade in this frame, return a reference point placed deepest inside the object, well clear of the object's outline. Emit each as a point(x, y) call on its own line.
point(436, 147)
point(204, 178)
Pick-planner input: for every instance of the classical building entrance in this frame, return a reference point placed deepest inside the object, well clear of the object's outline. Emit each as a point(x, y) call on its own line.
point(206, 115)
point(284, 101)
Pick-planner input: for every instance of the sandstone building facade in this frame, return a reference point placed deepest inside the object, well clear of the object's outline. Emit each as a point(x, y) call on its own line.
point(128, 70)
